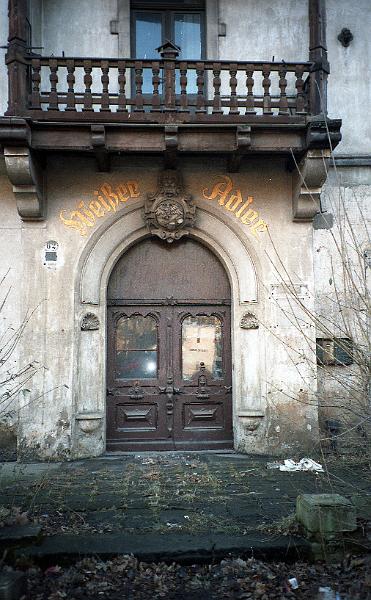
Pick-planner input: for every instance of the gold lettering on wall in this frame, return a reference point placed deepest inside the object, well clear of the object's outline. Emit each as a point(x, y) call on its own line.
point(106, 200)
point(231, 199)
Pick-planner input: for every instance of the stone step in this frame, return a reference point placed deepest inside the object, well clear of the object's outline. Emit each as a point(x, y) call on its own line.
point(175, 547)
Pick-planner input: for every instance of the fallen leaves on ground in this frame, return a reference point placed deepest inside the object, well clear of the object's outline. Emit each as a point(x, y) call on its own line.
point(236, 578)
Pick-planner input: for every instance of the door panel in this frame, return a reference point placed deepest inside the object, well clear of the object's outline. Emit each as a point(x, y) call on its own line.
point(202, 371)
point(150, 272)
point(136, 410)
point(180, 402)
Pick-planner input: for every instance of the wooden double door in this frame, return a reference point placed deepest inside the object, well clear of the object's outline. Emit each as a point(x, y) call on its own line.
point(168, 358)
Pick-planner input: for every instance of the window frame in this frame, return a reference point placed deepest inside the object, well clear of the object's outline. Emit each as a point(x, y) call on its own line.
point(168, 10)
point(340, 354)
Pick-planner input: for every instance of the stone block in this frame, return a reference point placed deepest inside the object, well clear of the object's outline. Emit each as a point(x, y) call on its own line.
point(325, 514)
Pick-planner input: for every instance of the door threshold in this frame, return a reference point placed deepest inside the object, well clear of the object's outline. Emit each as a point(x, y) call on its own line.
point(118, 453)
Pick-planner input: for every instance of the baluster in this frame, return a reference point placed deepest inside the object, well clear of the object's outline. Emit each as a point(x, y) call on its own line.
point(183, 87)
point(36, 79)
point(169, 53)
point(105, 99)
point(88, 80)
point(169, 70)
point(250, 106)
point(217, 103)
point(300, 100)
point(283, 104)
point(71, 100)
point(53, 78)
point(233, 110)
point(155, 83)
point(138, 67)
point(122, 107)
point(266, 85)
point(200, 103)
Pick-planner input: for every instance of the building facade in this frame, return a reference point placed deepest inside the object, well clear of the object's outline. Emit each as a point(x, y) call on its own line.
point(169, 172)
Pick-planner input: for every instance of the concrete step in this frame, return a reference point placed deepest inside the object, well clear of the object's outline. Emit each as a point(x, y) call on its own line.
point(173, 547)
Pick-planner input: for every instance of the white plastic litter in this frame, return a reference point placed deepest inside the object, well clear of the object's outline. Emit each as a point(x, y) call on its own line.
point(293, 583)
point(305, 464)
point(327, 593)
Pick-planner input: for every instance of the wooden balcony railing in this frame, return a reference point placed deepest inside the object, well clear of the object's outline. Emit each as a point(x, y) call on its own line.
point(168, 89)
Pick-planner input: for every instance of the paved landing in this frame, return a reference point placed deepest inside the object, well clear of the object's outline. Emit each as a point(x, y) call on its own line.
point(170, 497)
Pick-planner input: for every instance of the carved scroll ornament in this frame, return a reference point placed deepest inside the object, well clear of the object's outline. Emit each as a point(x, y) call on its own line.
point(26, 176)
point(169, 212)
point(308, 180)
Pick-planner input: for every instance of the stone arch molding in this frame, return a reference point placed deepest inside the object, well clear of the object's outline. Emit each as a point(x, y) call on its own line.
point(103, 252)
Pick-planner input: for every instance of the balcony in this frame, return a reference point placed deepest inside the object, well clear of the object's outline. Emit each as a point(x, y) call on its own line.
point(168, 106)
point(112, 90)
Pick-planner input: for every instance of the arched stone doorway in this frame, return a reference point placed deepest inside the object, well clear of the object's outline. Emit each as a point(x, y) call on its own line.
point(168, 349)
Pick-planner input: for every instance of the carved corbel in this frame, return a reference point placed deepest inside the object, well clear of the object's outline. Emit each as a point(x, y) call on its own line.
point(307, 182)
point(243, 143)
point(171, 146)
point(26, 175)
point(98, 142)
point(323, 134)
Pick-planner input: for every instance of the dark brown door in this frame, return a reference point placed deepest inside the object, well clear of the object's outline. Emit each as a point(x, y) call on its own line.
point(168, 359)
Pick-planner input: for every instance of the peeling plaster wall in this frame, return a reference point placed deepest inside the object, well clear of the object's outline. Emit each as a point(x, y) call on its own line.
point(275, 386)
point(342, 309)
point(273, 398)
point(347, 191)
point(11, 311)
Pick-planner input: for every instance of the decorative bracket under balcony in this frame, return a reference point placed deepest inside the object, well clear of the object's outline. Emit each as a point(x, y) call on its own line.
point(26, 175)
point(171, 146)
point(243, 144)
point(307, 181)
point(98, 142)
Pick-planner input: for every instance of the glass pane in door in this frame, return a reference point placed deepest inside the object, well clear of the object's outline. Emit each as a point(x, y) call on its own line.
point(136, 347)
point(148, 37)
point(187, 31)
point(202, 342)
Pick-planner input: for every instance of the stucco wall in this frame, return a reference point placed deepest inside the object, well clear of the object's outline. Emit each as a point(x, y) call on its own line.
point(349, 86)
point(260, 30)
point(342, 275)
point(273, 386)
point(79, 28)
point(10, 307)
